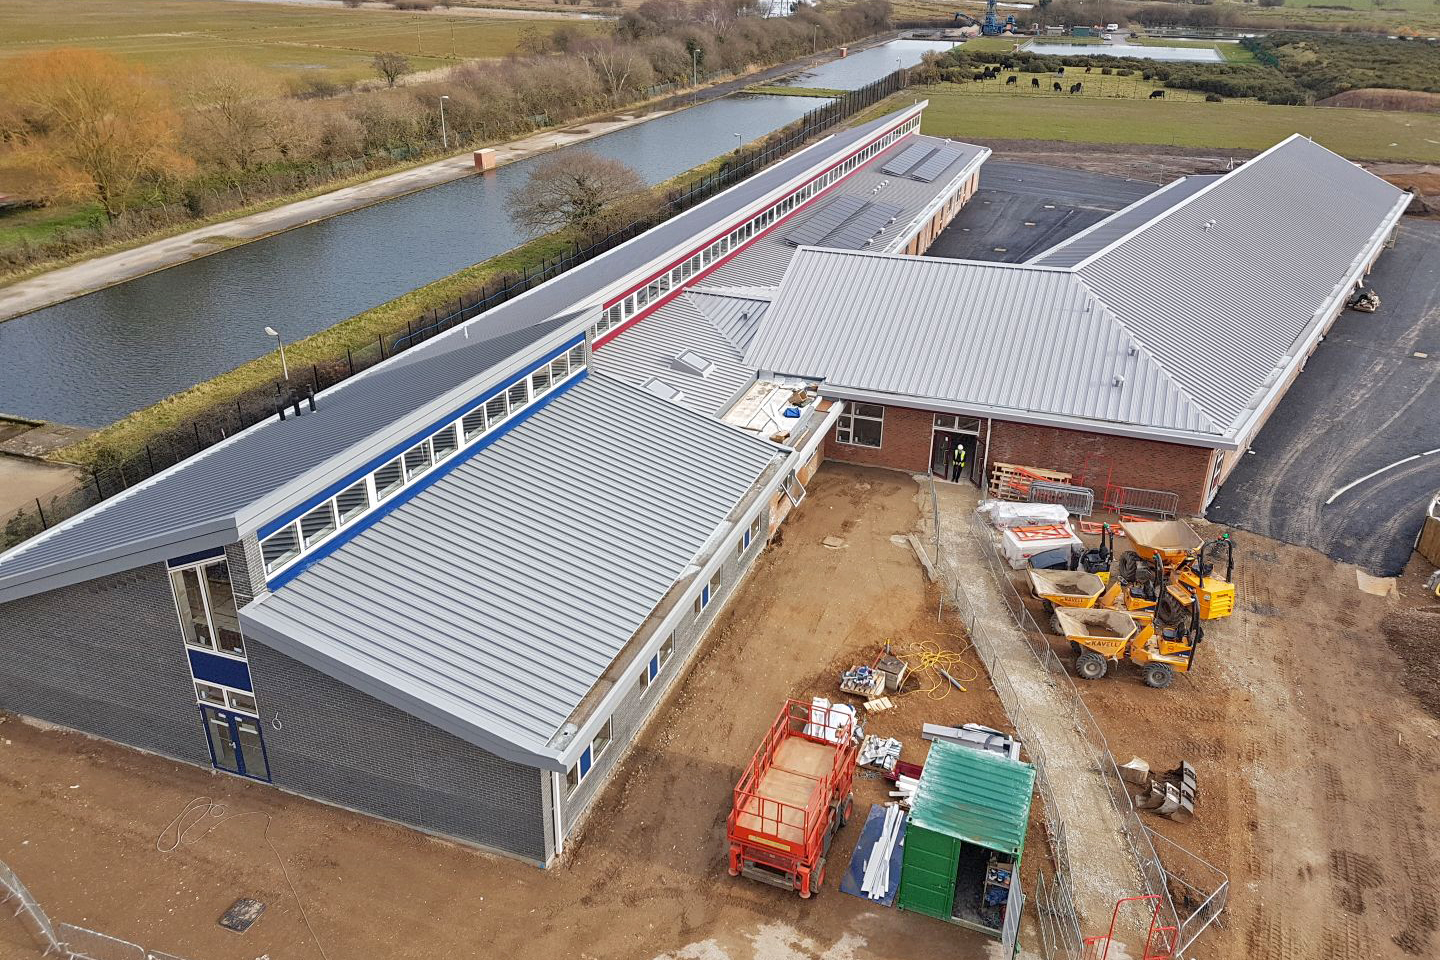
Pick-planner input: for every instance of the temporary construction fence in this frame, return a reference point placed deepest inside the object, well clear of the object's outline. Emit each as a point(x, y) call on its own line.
point(1139, 502)
point(223, 420)
point(1192, 892)
point(1080, 501)
point(65, 939)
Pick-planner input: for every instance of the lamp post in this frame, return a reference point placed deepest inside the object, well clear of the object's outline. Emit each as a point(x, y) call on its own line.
point(284, 366)
point(444, 133)
point(694, 66)
point(739, 141)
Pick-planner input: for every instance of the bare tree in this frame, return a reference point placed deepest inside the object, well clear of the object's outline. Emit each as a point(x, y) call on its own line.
point(391, 66)
point(582, 192)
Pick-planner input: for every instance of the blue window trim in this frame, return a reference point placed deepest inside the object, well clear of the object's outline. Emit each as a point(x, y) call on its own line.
point(705, 596)
point(295, 513)
point(586, 762)
point(405, 494)
point(190, 558)
point(747, 539)
point(226, 671)
point(654, 670)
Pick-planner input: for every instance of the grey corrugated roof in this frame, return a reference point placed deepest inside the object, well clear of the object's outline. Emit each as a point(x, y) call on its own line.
point(492, 603)
point(735, 311)
point(1089, 241)
point(1224, 308)
point(237, 484)
point(201, 502)
point(1028, 340)
point(1200, 308)
point(648, 348)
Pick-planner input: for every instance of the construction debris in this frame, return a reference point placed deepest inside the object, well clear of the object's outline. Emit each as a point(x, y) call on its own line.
point(894, 670)
point(975, 736)
point(880, 705)
point(882, 752)
point(1136, 771)
point(905, 788)
point(1172, 795)
point(1366, 301)
point(863, 681)
point(923, 557)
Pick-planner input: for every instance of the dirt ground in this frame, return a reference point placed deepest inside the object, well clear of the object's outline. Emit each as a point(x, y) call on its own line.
point(1317, 770)
point(85, 821)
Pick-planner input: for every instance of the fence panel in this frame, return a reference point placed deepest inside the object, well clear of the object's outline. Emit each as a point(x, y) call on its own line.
point(1078, 500)
point(1161, 504)
point(83, 944)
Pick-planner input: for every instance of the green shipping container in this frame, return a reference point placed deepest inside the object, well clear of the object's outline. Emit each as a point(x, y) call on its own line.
point(1082, 32)
point(970, 814)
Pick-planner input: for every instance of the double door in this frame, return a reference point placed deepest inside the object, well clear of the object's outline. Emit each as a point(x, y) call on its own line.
point(236, 743)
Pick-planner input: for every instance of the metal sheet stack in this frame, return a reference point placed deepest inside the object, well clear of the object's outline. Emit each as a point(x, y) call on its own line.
point(876, 884)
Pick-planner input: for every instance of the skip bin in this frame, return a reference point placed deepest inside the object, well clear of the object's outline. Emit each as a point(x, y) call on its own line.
point(965, 838)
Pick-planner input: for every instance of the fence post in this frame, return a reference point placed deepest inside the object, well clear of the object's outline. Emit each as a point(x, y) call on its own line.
point(350, 359)
point(198, 444)
point(41, 510)
point(99, 490)
point(149, 456)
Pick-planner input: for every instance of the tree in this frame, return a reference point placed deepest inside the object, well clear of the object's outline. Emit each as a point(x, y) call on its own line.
point(391, 66)
point(237, 120)
point(88, 125)
point(582, 192)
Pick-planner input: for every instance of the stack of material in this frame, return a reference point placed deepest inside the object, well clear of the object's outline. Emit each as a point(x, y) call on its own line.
point(905, 788)
point(975, 736)
point(862, 682)
point(879, 752)
point(831, 721)
point(1003, 516)
point(876, 706)
point(876, 884)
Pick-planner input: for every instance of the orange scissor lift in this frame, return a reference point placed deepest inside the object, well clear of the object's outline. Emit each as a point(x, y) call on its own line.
point(793, 798)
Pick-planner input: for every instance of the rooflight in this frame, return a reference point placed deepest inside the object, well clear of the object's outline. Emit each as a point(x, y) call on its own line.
point(659, 388)
point(693, 363)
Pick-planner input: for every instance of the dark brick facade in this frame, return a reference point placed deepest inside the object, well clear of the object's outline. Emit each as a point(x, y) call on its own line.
point(904, 442)
point(105, 657)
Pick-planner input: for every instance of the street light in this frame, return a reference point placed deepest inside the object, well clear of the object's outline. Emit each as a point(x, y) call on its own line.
point(444, 134)
point(739, 142)
point(284, 366)
point(695, 67)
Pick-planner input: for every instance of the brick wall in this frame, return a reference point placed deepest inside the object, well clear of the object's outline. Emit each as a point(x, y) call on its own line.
point(932, 228)
point(638, 704)
point(105, 657)
point(337, 744)
point(1124, 461)
point(904, 442)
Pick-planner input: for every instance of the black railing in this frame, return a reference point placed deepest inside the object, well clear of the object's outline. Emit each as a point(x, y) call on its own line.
point(110, 475)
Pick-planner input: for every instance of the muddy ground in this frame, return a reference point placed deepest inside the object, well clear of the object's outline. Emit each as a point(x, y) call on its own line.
point(645, 877)
point(1317, 769)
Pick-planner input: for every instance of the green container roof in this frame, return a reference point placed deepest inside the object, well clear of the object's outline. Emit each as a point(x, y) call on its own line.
point(974, 795)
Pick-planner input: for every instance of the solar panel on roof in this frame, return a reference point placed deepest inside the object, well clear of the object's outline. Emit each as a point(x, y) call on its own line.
point(909, 158)
point(852, 234)
point(933, 165)
point(825, 219)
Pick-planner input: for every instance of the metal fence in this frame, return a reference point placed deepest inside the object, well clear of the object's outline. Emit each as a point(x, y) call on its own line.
point(164, 450)
point(1138, 501)
point(1203, 888)
point(1078, 500)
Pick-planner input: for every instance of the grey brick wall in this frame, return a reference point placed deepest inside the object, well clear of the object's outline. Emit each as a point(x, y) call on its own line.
point(337, 744)
point(104, 657)
point(247, 569)
point(635, 709)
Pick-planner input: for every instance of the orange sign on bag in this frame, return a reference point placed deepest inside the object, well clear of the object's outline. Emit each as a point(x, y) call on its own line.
point(1046, 531)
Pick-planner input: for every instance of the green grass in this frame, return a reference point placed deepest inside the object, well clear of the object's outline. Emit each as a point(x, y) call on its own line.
point(1097, 86)
point(1358, 134)
point(1232, 52)
point(990, 44)
point(295, 42)
point(797, 92)
point(1042, 41)
point(39, 224)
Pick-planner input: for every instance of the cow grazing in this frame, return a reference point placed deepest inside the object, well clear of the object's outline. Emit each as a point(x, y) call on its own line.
point(1061, 71)
point(1009, 81)
point(1075, 87)
point(1087, 69)
point(1035, 82)
point(1058, 88)
point(1157, 94)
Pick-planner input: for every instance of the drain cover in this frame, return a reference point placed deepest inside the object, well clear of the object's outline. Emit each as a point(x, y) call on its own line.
point(242, 914)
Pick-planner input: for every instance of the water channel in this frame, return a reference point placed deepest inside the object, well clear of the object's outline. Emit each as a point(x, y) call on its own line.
point(93, 359)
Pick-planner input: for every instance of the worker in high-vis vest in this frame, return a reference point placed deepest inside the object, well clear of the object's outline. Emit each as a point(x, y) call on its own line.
point(957, 462)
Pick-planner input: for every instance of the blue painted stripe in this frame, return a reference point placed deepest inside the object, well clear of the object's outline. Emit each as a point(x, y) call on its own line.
point(585, 762)
point(433, 475)
point(225, 671)
point(190, 558)
point(306, 506)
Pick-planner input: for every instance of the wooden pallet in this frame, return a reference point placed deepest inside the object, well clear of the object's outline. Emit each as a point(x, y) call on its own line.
point(1009, 481)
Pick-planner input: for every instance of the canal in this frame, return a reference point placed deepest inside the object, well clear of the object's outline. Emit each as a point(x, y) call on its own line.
point(91, 360)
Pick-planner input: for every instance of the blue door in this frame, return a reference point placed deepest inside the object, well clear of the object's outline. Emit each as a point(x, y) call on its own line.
point(236, 743)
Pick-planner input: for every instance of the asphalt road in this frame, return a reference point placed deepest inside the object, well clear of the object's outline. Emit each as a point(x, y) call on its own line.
point(1365, 401)
point(1022, 209)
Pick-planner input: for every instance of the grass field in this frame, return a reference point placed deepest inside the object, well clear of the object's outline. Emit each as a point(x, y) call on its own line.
point(1358, 134)
point(1232, 52)
point(175, 36)
point(1096, 85)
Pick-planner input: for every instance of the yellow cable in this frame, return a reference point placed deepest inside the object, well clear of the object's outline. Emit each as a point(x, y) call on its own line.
point(927, 658)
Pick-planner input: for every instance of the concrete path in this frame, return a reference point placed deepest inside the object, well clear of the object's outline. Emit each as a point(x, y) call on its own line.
point(65, 283)
point(1100, 860)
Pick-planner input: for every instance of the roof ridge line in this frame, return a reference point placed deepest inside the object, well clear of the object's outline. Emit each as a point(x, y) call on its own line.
point(1142, 346)
point(1190, 199)
point(1070, 240)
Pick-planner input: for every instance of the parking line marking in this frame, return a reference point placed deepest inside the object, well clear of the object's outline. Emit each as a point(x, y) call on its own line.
point(1377, 473)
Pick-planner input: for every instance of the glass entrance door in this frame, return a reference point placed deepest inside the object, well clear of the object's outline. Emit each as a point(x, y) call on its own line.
point(236, 743)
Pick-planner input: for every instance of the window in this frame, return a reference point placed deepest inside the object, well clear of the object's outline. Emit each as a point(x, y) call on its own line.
point(629, 305)
point(518, 394)
point(861, 426)
point(318, 524)
point(209, 693)
point(560, 367)
point(388, 479)
point(572, 779)
point(417, 460)
point(667, 649)
point(742, 544)
point(496, 409)
point(352, 501)
point(280, 548)
point(707, 593)
point(657, 662)
point(603, 738)
point(642, 296)
point(664, 283)
point(473, 424)
point(206, 604)
point(241, 701)
point(444, 443)
point(540, 380)
point(576, 356)
point(755, 527)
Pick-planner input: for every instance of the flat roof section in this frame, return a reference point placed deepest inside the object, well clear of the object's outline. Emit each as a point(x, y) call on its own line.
point(491, 603)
